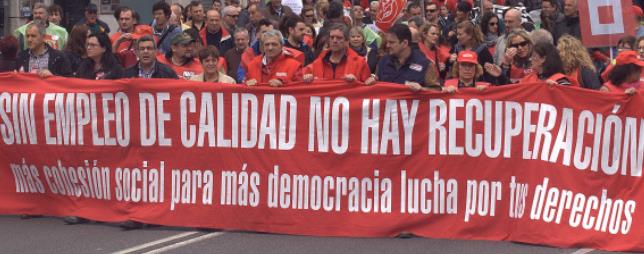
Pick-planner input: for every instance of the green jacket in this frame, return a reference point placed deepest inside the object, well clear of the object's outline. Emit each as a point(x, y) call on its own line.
point(55, 36)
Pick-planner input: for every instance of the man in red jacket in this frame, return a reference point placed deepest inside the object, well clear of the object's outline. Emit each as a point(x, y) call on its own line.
point(276, 66)
point(339, 62)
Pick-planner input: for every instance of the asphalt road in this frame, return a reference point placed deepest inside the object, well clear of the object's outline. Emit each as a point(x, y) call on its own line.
point(51, 235)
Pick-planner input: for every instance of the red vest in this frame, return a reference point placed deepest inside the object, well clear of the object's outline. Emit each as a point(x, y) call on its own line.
point(454, 83)
point(284, 68)
point(534, 78)
point(352, 64)
point(518, 73)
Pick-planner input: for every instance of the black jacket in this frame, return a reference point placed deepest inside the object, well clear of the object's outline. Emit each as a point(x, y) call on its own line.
point(57, 65)
point(568, 25)
point(110, 69)
point(160, 71)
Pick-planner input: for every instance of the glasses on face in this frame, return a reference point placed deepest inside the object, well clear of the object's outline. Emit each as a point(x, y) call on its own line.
point(520, 44)
point(432, 10)
point(493, 24)
point(309, 15)
point(233, 16)
point(92, 45)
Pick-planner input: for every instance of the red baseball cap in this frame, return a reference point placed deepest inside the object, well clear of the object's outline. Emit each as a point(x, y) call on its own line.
point(467, 56)
point(628, 57)
point(637, 11)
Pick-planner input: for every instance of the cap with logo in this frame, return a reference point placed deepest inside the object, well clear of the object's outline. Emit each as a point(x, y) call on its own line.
point(467, 56)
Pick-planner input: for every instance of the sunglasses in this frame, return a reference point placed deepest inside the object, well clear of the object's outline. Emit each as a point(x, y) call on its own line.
point(432, 10)
point(520, 44)
point(233, 16)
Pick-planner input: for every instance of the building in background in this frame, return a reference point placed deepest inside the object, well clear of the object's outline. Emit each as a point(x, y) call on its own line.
point(14, 13)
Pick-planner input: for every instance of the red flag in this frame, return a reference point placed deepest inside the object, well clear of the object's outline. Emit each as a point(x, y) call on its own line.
point(603, 23)
point(388, 13)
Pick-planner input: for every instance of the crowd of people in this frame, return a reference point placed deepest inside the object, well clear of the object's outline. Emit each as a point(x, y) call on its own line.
point(451, 44)
point(446, 46)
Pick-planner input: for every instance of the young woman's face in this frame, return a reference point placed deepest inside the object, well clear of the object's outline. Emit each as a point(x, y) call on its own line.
point(522, 45)
point(466, 71)
point(356, 40)
point(94, 49)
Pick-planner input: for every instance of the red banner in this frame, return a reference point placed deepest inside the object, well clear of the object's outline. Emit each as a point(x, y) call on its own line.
point(552, 165)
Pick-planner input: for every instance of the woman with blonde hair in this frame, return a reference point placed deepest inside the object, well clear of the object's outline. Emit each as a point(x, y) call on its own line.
point(470, 38)
point(358, 44)
point(432, 48)
point(515, 64)
point(577, 63)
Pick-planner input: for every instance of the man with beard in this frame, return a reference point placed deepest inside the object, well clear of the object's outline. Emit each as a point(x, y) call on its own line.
point(181, 57)
point(148, 66)
point(295, 27)
point(55, 36)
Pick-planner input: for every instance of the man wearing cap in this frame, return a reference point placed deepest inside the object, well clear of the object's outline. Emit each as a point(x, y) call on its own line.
point(181, 58)
point(148, 66)
point(467, 72)
point(402, 64)
point(55, 36)
point(91, 20)
point(276, 66)
point(338, 62)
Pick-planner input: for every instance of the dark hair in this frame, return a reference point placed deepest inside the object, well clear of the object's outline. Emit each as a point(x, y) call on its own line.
point(55, 8)
point(117, 12)
point(401, 32)
point(145, 38)
point(77, 40)
point(343, 28)
point(464, 7)
point(208, 52)
point(630, 40)
point(290, 22)
point(412, 5)
point(552, 2)
point(9, 46)
point(162, 5)
point(552, 61)
point(306, 8)
point(485, 20)
point(314, 33)
point(620, 73)
point(264, 22)
point(108, 58)
point(336, 10)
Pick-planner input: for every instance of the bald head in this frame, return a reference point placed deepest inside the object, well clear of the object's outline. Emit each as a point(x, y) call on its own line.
point(512, 19)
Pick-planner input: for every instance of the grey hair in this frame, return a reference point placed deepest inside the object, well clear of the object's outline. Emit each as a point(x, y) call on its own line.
point(240, 30)
point(541, 35)
point(40, 5)
point(38, 24)
point(274, 33)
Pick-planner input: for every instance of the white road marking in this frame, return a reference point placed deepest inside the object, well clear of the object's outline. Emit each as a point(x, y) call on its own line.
point(160, 241)
point(582, 251)
point(184, 243)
